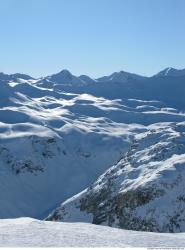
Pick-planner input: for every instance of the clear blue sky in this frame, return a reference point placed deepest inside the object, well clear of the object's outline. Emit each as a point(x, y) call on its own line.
point(93, 37)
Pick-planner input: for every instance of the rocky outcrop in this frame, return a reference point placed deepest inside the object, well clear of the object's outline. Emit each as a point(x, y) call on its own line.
point(41, 148)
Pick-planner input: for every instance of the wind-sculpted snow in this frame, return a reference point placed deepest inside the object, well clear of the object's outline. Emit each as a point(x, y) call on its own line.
point(60, 132)
point(144, 191)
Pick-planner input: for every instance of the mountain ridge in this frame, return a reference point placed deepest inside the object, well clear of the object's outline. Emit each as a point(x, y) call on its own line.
point(65, 76)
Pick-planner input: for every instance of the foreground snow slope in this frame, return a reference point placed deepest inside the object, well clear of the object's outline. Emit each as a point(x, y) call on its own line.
point(27, 232)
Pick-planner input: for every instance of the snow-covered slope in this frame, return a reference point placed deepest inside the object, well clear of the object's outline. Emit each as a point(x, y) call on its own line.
point(144, 191)
point(63, 140)
point(168, 90)
point(27, 232)
point(55, 143)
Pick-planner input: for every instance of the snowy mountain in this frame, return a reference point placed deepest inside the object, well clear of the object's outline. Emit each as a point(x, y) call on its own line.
point(144, 191)
point(171, 72)
point(121, 77)
point(87, 79)
point(27, 232)
point(58, 136)
point(64, 77)
point(14, 77)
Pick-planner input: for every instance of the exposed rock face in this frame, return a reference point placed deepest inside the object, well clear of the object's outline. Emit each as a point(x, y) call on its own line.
point(144, 191)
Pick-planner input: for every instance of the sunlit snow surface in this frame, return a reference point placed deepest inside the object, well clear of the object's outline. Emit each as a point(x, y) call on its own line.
point(27, 232)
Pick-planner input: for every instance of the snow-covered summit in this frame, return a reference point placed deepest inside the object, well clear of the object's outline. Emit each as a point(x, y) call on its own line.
point(171, 72)
point(65, 77)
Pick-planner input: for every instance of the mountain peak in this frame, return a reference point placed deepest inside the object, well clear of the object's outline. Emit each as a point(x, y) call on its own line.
point(171, 72)
point(64, 77)
point(87, 79)
point(121, 77)
point(65, 72)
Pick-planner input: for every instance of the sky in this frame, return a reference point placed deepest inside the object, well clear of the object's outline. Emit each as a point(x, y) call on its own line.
point(93, 37)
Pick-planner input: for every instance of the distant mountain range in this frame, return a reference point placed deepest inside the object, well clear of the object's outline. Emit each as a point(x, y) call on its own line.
point(67, 78)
